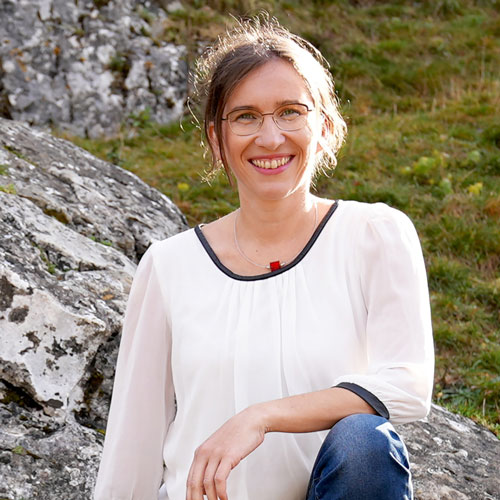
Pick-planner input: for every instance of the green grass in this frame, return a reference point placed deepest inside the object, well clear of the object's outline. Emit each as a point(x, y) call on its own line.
point(420, 88)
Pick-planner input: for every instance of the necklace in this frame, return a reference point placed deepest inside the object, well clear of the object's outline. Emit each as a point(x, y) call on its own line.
point(275, 264)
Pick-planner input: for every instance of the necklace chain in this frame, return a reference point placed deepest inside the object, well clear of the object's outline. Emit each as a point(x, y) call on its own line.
point(279, 262)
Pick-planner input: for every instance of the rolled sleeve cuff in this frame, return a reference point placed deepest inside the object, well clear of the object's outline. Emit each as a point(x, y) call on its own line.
point(368, 397)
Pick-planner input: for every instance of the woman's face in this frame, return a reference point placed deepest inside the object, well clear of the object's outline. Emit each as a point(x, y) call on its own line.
point(271, 163)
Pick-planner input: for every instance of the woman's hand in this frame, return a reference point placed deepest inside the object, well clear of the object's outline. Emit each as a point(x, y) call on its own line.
point(222, 452)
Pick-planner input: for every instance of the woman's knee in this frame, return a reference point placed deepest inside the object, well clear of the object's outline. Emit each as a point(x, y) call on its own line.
point(359, 439)
point(361, 453)
point(361, 436)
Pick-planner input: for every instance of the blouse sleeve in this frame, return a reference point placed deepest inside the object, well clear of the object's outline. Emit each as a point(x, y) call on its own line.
point(399, 343)
point(142, 404)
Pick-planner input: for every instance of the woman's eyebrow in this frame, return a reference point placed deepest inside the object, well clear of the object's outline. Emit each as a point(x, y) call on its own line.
point(288, 101)
point(277, 104)
point(245, 106)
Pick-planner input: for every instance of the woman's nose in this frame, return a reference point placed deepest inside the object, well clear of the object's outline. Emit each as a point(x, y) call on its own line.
point(269, 136)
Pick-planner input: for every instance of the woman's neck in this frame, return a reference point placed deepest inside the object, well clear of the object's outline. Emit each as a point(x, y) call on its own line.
point(272, 222)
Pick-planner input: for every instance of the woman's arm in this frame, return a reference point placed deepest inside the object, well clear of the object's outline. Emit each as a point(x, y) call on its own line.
point(398, 331)
point(244, 432)
point(142, 405)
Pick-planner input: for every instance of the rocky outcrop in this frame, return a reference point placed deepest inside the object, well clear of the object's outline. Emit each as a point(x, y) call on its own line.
point(73, 228)
point(87, 65)
point(452, 458)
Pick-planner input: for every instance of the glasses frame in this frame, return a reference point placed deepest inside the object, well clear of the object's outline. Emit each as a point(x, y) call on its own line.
point(273, 115)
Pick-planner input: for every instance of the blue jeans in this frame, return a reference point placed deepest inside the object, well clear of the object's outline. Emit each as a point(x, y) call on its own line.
point(362, 458)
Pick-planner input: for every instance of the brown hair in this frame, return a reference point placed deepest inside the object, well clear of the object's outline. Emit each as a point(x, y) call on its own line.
point(251, 44)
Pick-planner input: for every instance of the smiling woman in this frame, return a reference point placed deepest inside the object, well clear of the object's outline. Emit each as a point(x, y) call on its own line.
point(226, 65)
point(269, 155)
point(266, 354)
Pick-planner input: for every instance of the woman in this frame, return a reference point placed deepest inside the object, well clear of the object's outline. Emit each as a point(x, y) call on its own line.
point(246, 337)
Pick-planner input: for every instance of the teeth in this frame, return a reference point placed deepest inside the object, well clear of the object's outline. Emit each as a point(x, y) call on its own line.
point(271, 164)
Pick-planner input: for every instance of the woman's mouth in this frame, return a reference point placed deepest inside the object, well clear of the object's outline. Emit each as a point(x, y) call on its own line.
point(271, 164)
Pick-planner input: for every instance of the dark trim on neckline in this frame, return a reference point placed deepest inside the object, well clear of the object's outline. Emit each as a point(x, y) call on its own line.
point(271, 274)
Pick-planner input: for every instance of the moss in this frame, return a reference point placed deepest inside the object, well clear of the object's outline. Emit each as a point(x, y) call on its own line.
point(15, 152)
point(20, 450)
point(18, 396)
point(120, 64)
point(57, 214)
point(9, 189)
point(50, 266)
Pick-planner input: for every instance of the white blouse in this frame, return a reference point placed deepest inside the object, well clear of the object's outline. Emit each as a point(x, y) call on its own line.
point(201, 343)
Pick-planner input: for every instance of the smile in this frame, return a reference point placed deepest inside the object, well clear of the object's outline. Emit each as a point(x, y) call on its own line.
point(271, 164)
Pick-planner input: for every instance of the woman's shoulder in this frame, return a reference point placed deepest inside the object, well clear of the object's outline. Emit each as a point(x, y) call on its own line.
point(362, 212)
point(179, 242)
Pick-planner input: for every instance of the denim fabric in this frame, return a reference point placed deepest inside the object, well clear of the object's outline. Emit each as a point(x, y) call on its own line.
point(362, 458)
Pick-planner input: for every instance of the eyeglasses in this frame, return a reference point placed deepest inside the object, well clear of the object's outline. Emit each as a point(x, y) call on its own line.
point(248, 121)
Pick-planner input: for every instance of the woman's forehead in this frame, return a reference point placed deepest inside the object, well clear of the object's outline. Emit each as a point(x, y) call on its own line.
point(274, 83)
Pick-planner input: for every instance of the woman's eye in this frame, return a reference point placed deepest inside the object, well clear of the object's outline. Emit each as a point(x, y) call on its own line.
point(245, 117)
point(289, 113)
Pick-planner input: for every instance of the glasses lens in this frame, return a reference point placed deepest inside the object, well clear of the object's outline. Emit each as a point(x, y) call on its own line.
point(291, 116)
point(248, 121)
point(244, 121)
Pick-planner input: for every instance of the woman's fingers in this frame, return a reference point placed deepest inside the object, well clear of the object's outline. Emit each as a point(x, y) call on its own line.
point(220, 478)
point(208, 479)
point(195, 489)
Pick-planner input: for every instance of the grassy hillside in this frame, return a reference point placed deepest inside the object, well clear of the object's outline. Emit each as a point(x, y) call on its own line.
point(419, 84)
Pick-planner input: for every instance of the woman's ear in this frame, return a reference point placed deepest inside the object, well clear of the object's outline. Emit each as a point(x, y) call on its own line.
point(322, 137)
point(214, 141)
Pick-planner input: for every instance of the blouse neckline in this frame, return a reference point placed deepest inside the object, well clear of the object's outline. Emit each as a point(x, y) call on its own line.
point(258, 277)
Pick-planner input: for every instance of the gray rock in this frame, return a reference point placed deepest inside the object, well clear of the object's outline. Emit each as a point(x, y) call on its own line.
point(42, 460)
point(86, 66)
point(452, 458)
point(57, 310)
point(94, 198)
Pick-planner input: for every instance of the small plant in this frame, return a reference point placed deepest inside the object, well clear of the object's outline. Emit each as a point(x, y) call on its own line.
point(51, 267)
point(9, 189)
point(145, 32)
point(430, 170)
point(106, 243)
point(120, 64)
point(475, 189)
point(14, 151)
point(79, 32)
point(146, 15)
point(19, 450)
point(113, 155)
point(140, 120)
